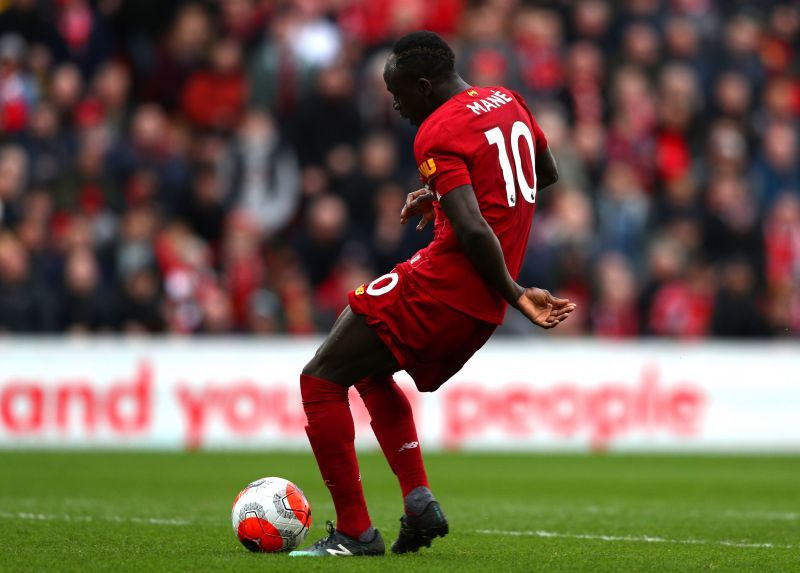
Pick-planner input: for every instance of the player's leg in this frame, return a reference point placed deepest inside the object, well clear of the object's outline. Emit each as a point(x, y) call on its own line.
point(392, 421)
point(351, 352)
point(393, 424)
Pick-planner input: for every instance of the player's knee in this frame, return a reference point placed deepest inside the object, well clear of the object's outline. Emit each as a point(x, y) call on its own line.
point(373, 383)
point(313, 368)
point(321, 368)
point(364, 386)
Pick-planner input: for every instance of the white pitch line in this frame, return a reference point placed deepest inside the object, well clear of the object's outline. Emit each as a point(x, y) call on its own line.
point(26, 515)
point(88, 518)
point(768, 515)
point(635, 538)
point(728, 514)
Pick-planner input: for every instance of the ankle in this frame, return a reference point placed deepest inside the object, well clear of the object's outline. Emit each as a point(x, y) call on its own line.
point(362, 535)
point(417, 500)
point(368, 535)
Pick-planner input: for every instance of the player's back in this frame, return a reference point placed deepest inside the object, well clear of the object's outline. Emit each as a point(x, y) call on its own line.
point(487, 138)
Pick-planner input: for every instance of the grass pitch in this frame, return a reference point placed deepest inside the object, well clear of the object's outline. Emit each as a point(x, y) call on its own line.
point(171, 512)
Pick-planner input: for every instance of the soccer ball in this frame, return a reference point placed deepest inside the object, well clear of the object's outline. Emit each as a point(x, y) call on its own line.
point(271, 514)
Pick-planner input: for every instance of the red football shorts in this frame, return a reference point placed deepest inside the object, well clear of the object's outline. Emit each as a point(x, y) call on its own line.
point(430, 340)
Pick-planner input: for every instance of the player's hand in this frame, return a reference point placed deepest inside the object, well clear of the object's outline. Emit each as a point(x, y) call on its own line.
point(542, 308)
point(419, 202)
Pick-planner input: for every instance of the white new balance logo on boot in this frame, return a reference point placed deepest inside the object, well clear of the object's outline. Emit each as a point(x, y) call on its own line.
point(343, 551)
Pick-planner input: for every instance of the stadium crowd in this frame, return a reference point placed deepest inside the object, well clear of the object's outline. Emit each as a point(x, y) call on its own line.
point(236, 165)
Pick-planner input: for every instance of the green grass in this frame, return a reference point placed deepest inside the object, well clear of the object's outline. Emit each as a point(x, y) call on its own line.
point(91, 511)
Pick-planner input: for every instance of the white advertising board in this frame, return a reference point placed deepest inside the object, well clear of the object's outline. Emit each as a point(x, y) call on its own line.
point(525, 394)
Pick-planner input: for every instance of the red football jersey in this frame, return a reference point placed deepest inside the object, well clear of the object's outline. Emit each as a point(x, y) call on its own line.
point(487, 138)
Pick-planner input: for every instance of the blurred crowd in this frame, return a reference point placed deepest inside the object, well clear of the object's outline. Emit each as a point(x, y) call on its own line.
point(235, 166)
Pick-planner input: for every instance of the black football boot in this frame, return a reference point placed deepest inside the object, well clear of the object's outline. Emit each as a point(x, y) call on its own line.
point(419, 530)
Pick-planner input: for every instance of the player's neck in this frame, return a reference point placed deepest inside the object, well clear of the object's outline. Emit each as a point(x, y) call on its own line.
point(450, 88)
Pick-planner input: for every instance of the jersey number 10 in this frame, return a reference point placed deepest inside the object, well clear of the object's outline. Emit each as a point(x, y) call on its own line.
point(518, 131)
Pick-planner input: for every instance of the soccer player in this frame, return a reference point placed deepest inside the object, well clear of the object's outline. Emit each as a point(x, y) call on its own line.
point(482, 158)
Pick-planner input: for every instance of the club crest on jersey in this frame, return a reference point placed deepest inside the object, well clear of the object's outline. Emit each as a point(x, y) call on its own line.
point(427, 168)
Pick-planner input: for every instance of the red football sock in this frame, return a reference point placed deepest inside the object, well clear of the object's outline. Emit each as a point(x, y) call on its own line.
point(331, 433)
point(393, 424)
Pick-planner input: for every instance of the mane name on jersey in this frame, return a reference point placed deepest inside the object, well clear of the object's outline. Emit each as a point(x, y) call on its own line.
point(489, 103)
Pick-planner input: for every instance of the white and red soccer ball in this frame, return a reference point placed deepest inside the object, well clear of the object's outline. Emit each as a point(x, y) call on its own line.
point(271, 514)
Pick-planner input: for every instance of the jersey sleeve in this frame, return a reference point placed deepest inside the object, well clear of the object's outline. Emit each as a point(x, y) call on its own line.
point(442, 166)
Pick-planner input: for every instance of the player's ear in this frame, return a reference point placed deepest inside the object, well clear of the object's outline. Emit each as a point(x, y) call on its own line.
point(424, 87)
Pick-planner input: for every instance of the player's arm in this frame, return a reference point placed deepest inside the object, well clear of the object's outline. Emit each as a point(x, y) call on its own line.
point(484, 251)
point(546, 169)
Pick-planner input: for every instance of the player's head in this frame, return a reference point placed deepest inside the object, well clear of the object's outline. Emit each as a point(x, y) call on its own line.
point(420, 62)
